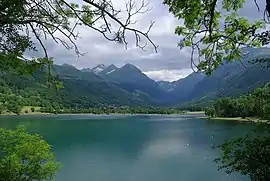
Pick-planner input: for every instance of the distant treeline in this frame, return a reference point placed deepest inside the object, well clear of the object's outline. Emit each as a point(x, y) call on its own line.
point(115, 110)
point(255, 104)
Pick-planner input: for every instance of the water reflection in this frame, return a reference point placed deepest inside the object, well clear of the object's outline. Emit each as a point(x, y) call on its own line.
point(121, 148)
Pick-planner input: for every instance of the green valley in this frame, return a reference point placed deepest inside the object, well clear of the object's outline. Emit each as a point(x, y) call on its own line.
point(114, 89)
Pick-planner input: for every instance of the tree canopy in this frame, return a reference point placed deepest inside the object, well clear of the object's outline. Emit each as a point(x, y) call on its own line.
point(214, 30)
point(25, 157)
point(255, 104)
point(248, 155)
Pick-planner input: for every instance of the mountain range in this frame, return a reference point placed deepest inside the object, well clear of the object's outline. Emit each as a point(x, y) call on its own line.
point(230, 79)
point(129, 86)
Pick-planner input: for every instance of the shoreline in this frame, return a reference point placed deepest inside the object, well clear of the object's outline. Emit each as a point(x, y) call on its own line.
point(29, 114)
point(70, 114)
point(239, 119)
point(195, 112)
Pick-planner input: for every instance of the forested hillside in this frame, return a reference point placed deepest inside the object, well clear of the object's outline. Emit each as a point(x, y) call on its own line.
point(131, 79)
point(255, 104)
point(231, 79)
point(110, 86)
point(80, 91)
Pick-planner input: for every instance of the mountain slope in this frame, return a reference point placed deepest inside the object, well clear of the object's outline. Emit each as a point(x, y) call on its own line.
point(90, 88)
point(128, 86)
point(131, 79)
point(98, 68)
point(232, 79)
point(69, 72)
point(183, 87)
point(166, 85)
point(80, 90)
point(108, 70)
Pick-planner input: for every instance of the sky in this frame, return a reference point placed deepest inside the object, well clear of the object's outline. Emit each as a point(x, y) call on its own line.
point(169, 63)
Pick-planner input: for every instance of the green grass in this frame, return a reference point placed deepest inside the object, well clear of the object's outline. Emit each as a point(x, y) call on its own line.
point(195, 112)
point(7, 114)
point(29, 111)
point(248, 119)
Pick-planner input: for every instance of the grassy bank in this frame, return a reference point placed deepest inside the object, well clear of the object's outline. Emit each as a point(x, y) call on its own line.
point(67, 114)
point(195, 112)
point(26, 110)
point(34, 113)
point(248, 119)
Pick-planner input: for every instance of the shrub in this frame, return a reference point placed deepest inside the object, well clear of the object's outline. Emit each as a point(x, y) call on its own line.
point(25, 156)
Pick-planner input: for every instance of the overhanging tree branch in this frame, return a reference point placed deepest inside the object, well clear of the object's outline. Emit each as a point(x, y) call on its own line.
point(216, 34)
point(59, 19)
point(120, 34)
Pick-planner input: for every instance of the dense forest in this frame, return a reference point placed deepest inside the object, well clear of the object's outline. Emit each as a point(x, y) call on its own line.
point(86, 92)
point(19, 91)
point(255, 104)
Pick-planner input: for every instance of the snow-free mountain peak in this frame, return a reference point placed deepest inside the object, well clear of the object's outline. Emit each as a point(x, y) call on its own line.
point(129, 66)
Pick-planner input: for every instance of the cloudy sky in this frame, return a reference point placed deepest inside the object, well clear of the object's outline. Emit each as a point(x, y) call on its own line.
point(168, 64)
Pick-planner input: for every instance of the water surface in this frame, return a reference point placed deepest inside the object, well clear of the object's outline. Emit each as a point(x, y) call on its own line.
point(134, 148)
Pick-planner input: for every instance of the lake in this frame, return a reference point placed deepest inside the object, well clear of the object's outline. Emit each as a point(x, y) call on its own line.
point(134, 148)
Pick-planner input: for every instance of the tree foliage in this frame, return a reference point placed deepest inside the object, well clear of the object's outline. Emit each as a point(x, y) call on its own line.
point(215, 31)
point(25, 157)
point(249, 155)
point(210, 112)
point(255, 104)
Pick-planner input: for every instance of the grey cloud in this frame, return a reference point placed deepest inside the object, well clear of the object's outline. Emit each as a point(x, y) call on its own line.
point(251, 12)
point(168, 75)
point(169, 57)
point(99, 51)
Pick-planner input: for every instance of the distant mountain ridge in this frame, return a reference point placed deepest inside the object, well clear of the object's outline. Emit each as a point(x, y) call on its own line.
point(107, 70)
point(133, 80)
point(128, 86)
point(184, 83)
point(230, 79)
point(102, 69)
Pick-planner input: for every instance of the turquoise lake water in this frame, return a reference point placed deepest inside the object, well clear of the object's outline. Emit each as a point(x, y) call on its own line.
point(134, 148)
